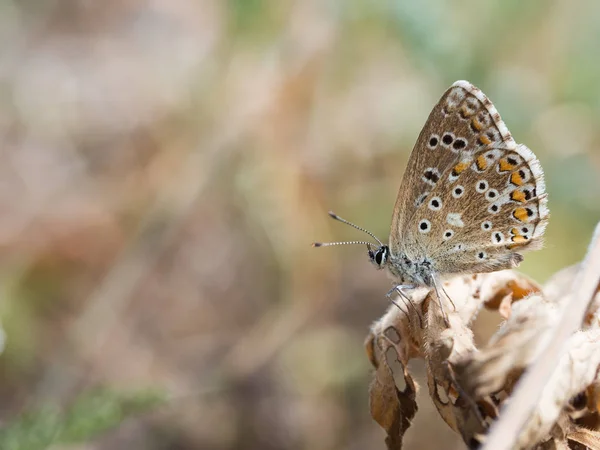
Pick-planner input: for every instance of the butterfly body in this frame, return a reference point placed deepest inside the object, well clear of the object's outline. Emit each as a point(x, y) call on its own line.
point(404, 270)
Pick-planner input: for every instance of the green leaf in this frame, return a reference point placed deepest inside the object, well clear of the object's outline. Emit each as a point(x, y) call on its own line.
point(91, 414)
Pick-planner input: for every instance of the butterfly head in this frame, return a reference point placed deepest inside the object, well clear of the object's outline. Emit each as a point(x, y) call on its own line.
point(379, 256)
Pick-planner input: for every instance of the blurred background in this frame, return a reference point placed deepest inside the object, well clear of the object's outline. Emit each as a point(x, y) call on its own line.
point(166, 164)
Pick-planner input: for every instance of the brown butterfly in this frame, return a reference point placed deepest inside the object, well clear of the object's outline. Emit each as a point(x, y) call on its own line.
point(471, 198)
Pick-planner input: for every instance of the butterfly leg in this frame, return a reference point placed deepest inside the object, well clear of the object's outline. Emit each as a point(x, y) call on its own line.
point(447, 296)
point(389, 297)
point(439, 297)
point(399, 289)
point(398, 306)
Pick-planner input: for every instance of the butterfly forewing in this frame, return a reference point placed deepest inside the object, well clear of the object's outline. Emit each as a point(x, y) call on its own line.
point(464, 162)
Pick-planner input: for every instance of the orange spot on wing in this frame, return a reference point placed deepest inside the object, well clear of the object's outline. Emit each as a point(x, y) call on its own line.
point(517, 237)
point(505, 166)
point(481, 162)
point(464, 111)
point(517, 244)
point(516, 179)
point(518, 240)
point(518, 196)
point(459, 168)
point(521, 214)
point(484, 140)
point(476, 125)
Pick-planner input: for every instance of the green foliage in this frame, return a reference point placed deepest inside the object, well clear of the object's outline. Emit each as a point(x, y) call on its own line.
point(256, 20)
point(90, 414)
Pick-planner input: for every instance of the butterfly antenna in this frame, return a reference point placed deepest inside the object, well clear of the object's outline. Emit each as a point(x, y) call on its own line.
point(329, 244)
point(338, 218)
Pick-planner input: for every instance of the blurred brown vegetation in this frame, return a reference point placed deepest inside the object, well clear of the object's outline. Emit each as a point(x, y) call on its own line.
point(165, 165)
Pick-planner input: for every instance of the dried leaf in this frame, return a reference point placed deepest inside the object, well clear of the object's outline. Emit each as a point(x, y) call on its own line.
point(517, 414)
point(393, 409)
point(401, 329)
point(576, 370)
point(467, 385)
point(588, 438)
point(506, 287)
point(442, 343)
point(516, 344)
point(447, 344)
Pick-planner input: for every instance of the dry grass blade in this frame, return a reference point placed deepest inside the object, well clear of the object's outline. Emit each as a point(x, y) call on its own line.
point(505, 433)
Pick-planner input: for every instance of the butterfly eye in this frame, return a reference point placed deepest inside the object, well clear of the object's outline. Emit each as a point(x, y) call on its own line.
point(381, 255)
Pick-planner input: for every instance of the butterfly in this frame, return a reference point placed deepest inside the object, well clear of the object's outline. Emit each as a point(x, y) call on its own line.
point(470, 201)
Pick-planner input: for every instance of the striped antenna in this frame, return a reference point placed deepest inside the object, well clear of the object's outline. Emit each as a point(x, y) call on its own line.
point(329, 244)
point(338, 218)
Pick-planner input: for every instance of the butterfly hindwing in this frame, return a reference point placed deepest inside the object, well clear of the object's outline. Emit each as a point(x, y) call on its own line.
point(492, 210)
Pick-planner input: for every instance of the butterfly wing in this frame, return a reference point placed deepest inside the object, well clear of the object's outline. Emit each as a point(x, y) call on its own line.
point(461, 125)
point(490, 211)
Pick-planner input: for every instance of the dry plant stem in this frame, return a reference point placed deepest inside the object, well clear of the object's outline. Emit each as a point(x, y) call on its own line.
point(505, 433)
